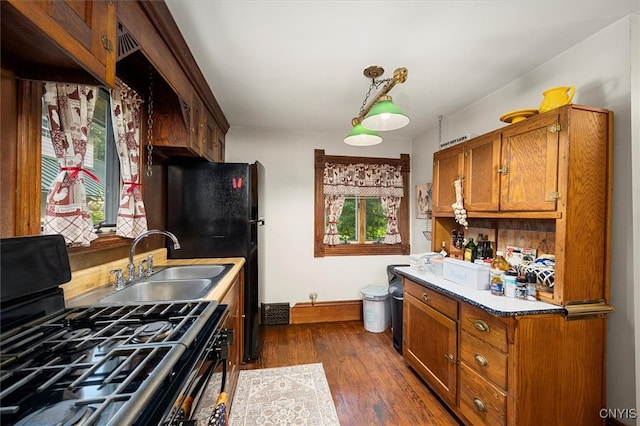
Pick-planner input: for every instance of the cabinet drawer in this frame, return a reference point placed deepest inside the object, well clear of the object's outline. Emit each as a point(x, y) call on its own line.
point(437, 301)
point(480, 401)
point(484, 359)
point(484, 326)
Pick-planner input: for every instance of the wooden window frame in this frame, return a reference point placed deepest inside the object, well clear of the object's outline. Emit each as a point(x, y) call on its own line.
point(356, 249)
point(28, 177)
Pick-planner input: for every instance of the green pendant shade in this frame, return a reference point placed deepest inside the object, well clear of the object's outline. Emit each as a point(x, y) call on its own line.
point(385, 115)
point(361, 136)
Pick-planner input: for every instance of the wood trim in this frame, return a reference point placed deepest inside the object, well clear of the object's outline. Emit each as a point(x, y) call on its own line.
point(168, 30)
point(29, 151)
point(346, 310)
point(320, 249)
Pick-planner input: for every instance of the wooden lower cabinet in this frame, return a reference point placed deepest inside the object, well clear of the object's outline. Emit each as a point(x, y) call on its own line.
point(543, 369)
point(430, 338)
point(233, 322)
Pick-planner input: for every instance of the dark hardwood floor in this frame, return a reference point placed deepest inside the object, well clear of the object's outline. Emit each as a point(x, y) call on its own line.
point(369, 381)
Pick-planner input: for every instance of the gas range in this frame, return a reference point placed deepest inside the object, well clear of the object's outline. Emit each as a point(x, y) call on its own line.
point(118, 364)
point(103, 364)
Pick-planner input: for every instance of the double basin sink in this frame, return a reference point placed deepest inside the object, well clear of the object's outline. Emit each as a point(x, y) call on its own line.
point(184, 282)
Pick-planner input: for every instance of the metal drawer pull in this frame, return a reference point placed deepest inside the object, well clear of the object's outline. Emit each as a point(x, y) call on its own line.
point(426, 297)
point(451, 358)
point(481, 325)
point(503, 171)
point(479, 405)
point(481, 360)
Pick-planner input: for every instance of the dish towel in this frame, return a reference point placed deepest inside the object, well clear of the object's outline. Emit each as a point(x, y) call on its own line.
point(219, 415)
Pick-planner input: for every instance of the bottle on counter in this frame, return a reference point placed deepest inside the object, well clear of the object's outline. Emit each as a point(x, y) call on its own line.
point(499, 266)
point(488, 250)
point(443, 250)
point(531, 285)
point(470, 251)
point(480, 244)
point(509, 282)
point(460, 242)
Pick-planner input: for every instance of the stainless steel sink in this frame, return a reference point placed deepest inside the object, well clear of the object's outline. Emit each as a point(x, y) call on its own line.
point(190, 272)
point(162, 290)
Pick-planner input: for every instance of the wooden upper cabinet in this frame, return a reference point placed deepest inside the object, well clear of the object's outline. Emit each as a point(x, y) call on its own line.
point(447, 167)
point(481, 173)
point(212, 140)
point(514, 169)
point(529, 165)
point(60, 40)
point(196, 125)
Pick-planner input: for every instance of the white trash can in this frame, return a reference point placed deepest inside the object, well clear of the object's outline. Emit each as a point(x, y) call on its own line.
point(376, 308)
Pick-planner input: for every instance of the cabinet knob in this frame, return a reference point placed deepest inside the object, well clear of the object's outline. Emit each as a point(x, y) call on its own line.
point(481, 325)
point(426, 297)
point(481, 360)
point(503, 171)
point(451, 358)
point(480, 405)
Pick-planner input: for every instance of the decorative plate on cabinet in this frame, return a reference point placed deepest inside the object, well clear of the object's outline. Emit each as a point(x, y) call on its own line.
point(518, 115)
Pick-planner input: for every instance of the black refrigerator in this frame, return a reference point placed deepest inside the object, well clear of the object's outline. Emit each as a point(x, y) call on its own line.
point(213, 209)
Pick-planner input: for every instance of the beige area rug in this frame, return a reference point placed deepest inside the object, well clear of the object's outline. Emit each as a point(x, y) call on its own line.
point(296, 395)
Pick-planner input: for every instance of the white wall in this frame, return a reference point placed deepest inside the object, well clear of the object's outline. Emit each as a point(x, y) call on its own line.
point(289, 272)
point(600, 68)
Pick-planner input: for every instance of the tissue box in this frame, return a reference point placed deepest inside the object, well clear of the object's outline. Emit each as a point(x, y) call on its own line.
point(470, 275)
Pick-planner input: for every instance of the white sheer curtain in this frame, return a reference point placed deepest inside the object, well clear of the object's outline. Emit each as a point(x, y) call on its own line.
point(70, 108)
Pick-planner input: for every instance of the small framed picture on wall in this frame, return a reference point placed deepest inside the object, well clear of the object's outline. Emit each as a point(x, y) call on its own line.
point(423, 201)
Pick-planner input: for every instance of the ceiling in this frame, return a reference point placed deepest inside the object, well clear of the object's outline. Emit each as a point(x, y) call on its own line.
point(298, 65)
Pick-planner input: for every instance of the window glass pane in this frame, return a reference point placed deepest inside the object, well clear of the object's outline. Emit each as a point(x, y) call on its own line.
point(348, 222)
point(376, 219)
point(96, 160)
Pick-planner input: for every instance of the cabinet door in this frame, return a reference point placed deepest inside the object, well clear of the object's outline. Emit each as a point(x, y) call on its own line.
point(197, 125)
point(529, 177)
point(447, 167)
point(481, 179)
point(212, 148)
point(233, 322)
point(86, 30)
point(430, 346)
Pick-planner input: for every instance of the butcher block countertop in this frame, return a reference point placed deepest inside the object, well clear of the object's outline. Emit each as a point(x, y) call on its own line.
point(89, 285)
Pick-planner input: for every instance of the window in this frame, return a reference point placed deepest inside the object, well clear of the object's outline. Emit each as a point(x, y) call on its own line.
point(361, 222)
point(101, 159)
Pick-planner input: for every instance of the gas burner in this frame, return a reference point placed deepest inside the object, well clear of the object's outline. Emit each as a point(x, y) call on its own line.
point(75, 334)
point(64, 413)
point(157, 330)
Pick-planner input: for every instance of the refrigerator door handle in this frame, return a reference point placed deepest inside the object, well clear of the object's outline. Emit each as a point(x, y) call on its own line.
point(259, 222)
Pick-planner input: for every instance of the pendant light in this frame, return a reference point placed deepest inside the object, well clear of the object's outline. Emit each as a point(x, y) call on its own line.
point(385, 115)
point(360, 136)
point(380, 113)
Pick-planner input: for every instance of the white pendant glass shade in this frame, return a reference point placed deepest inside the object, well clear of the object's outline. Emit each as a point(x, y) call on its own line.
point(359, 136)
point(385, 115)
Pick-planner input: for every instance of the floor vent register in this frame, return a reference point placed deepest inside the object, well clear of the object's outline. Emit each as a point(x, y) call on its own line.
point(274, 313)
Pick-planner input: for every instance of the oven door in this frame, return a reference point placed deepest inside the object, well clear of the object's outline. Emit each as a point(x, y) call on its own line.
point(206, 381)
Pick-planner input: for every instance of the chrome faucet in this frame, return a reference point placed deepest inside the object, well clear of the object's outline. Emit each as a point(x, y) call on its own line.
point(131, 268)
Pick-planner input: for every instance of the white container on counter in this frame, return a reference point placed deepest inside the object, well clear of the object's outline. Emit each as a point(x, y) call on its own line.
point(430, 262)
point(468, 274)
